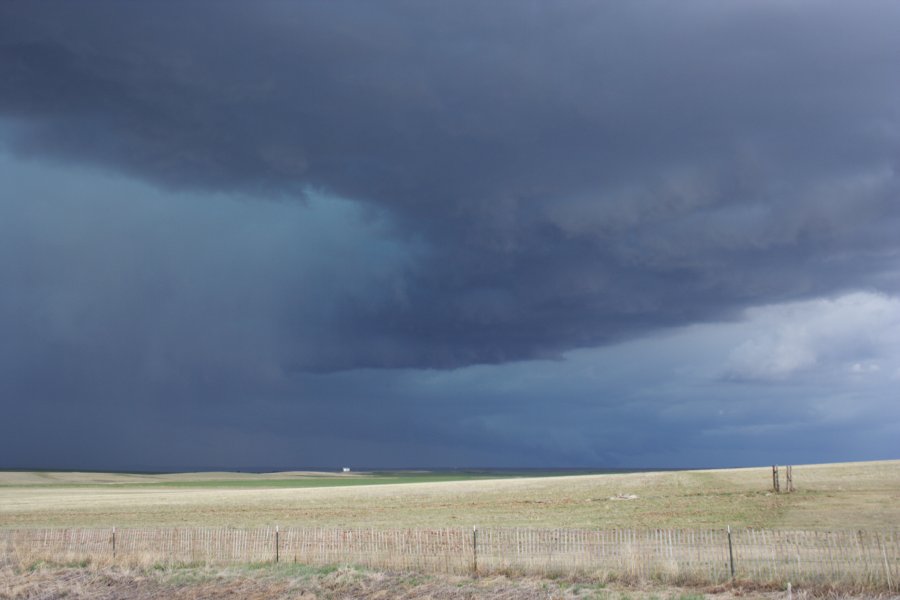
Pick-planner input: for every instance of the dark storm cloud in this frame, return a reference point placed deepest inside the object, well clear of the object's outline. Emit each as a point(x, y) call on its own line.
point(575, 172)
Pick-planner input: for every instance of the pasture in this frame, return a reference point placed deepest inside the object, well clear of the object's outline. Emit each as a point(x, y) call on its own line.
point(833, 496)
point(410, 534)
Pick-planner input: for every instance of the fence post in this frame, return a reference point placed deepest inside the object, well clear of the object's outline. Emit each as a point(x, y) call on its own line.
point(114, 542)
point(887, 567)
point(776, 483)
point(475, 550)
point(276, 544)
point(790, 478)
point(730, 553)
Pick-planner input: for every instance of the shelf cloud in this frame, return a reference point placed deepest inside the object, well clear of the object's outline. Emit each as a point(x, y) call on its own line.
point(310, 189)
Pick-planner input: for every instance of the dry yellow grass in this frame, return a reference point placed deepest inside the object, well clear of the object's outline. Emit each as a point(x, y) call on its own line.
point(16, 478)
point(848, 495)
point(275, 582)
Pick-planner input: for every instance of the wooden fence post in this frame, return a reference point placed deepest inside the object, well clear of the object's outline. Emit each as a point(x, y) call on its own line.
point(776, 483)
point(790, 478)
point(730, 553)
point(887, 566)
point(794, 557)
point(475, 550)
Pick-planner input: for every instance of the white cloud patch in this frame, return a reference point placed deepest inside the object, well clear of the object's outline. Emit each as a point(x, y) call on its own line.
point(856, 333)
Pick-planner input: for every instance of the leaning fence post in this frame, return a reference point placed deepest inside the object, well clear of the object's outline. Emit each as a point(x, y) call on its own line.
point(475, 549)
point(730, 553)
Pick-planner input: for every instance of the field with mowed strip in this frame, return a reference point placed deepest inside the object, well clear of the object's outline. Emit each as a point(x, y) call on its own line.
point(833, 496)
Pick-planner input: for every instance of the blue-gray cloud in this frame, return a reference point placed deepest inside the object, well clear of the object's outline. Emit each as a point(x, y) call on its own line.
point(282, 211)
point(578, 173)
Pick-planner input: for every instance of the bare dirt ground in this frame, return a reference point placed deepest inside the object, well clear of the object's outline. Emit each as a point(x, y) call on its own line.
point(48, 582)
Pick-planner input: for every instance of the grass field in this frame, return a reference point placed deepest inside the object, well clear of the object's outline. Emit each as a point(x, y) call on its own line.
point(276, 582)
point(835, 496)
point(293, 479)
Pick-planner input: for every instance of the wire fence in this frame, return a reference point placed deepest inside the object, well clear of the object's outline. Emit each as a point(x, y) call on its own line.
point(861, 559)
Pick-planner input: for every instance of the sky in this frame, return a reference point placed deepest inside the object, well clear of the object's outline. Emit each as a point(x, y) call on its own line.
point(588, 234)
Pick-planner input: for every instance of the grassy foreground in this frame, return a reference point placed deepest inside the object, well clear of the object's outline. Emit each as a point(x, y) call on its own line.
point(276, 582)
point(835, 496)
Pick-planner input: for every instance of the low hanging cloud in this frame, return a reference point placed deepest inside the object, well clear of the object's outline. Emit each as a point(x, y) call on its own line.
point(568, 174)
